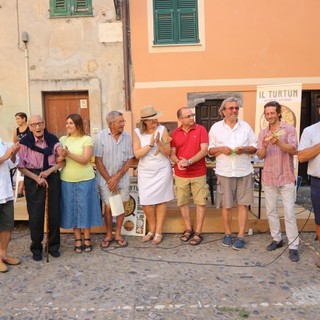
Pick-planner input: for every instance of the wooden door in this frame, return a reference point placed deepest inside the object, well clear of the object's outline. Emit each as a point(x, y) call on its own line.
point(207, 113)
point(57, 107)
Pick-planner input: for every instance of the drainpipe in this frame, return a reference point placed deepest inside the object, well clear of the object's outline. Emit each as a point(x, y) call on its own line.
point(126, 53)
point(25, 39)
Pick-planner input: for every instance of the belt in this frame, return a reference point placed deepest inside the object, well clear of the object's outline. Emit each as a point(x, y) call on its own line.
point(315, 178)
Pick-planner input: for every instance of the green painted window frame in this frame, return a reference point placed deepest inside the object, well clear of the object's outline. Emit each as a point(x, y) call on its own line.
point(175, 21)
point(70, 8)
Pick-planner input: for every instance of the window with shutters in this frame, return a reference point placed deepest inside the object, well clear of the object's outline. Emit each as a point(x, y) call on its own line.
point(67, 8)
point(175, 21)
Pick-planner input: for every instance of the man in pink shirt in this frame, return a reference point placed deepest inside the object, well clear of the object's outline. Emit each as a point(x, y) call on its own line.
point(277, 145)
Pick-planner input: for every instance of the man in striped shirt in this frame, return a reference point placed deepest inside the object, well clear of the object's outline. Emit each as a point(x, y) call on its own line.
point(113, 157)
point(277, 145)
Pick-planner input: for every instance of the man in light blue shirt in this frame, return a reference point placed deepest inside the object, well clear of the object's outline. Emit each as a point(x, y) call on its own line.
point(113, 157)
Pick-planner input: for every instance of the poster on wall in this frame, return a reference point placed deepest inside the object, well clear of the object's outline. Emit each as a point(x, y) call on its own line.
point(288, 95)
point(134, 223)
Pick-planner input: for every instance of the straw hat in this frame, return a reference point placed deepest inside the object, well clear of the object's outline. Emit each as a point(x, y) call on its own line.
point(148, 112)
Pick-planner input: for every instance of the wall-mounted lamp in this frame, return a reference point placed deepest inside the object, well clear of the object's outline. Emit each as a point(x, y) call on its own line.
point(25, 37)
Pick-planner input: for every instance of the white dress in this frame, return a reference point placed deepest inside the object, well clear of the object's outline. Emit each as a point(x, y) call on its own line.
point(155, 179)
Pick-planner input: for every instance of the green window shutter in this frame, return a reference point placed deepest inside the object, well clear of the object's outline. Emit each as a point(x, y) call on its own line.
point(175, 21)
point(187, 26)
point(164, 27)
point(82, 7)
point(67, 8)
point(59, 8)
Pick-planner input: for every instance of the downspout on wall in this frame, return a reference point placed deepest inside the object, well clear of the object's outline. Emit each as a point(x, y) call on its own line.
point(126, 52)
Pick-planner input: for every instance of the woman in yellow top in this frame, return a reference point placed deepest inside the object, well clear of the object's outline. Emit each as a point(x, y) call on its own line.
point(80, 206)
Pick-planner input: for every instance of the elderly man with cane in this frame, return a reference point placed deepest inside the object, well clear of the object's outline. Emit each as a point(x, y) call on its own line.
point(38, 163)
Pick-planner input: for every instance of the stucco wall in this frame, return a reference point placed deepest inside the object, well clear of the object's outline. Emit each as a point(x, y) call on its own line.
point(64, 54)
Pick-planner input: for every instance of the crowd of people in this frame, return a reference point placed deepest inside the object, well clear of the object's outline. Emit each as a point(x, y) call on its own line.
point(60, 178)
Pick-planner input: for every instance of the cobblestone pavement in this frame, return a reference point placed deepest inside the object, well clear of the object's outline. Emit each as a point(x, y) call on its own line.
point(171, 281)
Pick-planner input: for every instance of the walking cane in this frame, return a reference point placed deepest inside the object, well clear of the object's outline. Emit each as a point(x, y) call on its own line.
point(47, 225)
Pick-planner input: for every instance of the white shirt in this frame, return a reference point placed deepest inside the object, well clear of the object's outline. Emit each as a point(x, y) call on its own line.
point(241, 134)
point(6, 192)
point(310, 137)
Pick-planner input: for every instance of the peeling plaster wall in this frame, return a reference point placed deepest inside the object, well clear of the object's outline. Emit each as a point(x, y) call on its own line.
point(64, 54)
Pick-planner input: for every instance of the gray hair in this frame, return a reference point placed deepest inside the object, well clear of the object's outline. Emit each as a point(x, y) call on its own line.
point(112, 115)
point(224, 102)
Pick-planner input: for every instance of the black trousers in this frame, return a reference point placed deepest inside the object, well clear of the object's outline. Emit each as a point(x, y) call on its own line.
point(36, 199)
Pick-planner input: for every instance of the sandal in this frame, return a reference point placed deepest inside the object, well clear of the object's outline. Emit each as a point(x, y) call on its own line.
point(148, 237)
point(121, 242)
point(157, 238)
point(197, 239)
point(87, 247)
point(105, 243)
point(77, 249)
point(186, 236)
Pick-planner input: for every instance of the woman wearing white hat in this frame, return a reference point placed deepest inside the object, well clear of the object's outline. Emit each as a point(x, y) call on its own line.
point(151, 144)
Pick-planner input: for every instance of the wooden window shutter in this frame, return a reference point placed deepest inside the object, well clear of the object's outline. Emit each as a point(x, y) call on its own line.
point(187, 21)
point(164, 21)
point(83, 7)
point(175, 21)
point(59, 7)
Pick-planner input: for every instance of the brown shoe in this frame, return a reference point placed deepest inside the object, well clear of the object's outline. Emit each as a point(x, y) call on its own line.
point(11, 261)
point(318, 263)
point(3, 267)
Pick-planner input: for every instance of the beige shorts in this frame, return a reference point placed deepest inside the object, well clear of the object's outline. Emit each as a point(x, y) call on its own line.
point(235, 190)
point(197, 186)
point(105, 194)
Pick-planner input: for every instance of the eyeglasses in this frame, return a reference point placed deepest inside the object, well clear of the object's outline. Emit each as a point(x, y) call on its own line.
point(35, 124)
point(121, 122)
point(191, 115)
point(233, 108)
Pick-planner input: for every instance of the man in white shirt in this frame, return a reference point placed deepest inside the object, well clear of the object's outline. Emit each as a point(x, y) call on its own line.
point(231, 142)
point(309, 150)
point(6, 204)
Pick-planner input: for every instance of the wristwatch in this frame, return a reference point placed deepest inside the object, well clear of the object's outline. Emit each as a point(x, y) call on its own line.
point(190, 161)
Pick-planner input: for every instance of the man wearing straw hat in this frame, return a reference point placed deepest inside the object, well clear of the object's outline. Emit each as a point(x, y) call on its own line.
point(189, 147)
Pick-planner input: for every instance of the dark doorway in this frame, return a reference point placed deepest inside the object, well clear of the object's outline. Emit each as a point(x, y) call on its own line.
point(207, 113)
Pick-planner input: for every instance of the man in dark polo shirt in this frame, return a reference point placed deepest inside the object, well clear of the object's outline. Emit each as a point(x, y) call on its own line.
point(38, 164)
point(189, 147)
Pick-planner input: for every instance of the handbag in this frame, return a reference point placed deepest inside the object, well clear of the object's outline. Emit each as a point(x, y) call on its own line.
point(116, 205)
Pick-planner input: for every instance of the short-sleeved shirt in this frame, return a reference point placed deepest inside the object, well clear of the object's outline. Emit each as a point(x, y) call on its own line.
point(114, 154)
point(187, 144)
point(6, 193)
point(241, 134)
point(309, 138)
point(74, 171)
point(278, 169)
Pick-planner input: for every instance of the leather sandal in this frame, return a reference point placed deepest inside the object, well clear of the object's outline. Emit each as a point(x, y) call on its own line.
point(77, 249)
point(157, 238)
point(197, 239)
point(148, 237)
point(186, 236)
point(87, 247)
